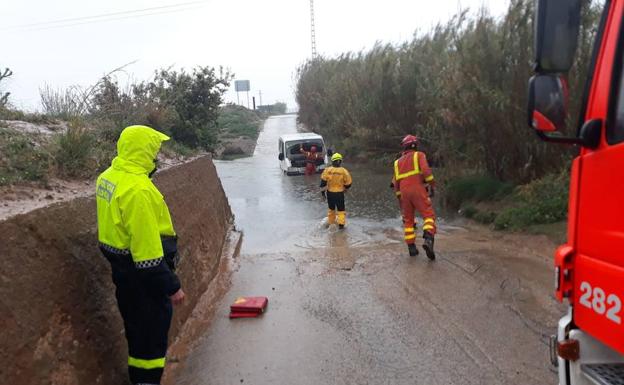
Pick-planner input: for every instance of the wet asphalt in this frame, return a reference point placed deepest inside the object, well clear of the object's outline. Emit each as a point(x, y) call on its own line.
point(351, 307)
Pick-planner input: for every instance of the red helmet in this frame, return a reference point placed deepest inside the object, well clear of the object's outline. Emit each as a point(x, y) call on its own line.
point(409, 140)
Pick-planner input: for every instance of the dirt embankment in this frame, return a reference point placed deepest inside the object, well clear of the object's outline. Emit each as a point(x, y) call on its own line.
point(58, 316)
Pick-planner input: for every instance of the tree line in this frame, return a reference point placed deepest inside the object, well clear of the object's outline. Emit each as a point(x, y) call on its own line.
point(461, 88)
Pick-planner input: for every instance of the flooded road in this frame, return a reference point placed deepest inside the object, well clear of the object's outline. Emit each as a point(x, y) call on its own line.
point(350, 307)
point(289, 210)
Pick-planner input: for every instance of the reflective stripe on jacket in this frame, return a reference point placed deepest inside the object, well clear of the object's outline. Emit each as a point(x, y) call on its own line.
point(412, 168)
point(403, 168)
point(311, 156)
point(337, 178)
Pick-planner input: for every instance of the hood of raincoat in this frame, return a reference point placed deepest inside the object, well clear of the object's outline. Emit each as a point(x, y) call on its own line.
point(137, 148)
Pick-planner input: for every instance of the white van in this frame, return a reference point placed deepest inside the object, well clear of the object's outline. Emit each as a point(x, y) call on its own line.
point(292, 161)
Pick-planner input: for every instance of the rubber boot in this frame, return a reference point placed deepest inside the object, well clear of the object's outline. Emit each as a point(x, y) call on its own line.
point(331, 217)
point(342, 219)
point(413, 251)
point(428, 245)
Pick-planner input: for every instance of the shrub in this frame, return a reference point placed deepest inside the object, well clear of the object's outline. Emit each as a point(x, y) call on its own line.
point(4, 96)
point(469, 211)
point(475, 188)
point(235, 121)
point(181, 104)
point(22, 158)
point(106, 130)
point(278, 108)
point(11, 114)
point(485, 217)
point(36, 118)
point(172, 148)
point(541, 202)
point(74, 151)
point(63, 103)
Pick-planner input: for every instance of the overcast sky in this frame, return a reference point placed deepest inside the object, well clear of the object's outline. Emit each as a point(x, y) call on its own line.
point(263, 41)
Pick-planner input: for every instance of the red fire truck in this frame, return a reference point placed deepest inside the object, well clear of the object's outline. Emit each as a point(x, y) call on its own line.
point(589, 268)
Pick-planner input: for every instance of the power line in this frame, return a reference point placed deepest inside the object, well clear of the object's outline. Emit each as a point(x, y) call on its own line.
point(110, 19)
point(111, 16)
point(103, 15)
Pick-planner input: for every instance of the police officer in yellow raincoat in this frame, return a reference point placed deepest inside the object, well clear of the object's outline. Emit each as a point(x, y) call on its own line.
point(136, 236)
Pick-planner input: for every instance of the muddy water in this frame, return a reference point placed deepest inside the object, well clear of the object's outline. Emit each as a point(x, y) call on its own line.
point(350, 307)
point(285, 213)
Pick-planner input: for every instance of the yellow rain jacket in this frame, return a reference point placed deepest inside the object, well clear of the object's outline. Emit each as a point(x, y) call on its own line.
point(338, 179)
point(132, 214)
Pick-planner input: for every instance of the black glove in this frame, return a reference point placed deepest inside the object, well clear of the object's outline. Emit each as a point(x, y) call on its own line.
point(391, 185)
point(324, 194)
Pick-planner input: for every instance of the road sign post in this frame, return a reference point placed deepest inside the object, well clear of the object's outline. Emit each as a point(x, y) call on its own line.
point(242, 86)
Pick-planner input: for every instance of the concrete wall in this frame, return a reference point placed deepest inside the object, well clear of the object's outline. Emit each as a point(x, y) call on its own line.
point(58, 316)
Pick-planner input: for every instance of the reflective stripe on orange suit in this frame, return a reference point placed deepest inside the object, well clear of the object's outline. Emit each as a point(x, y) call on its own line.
point(411, 175)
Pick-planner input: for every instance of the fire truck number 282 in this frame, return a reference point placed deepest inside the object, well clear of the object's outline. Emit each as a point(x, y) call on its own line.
point(596, 299)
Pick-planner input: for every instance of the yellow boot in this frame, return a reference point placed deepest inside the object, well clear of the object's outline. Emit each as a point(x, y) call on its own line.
point(342, 219)
point(331, 217)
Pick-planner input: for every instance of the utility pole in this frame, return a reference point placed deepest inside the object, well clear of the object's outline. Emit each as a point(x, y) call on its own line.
point(312, 29)
point(260, 94)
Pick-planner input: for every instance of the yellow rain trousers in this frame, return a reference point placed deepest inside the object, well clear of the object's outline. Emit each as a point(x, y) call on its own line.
point(336, 180)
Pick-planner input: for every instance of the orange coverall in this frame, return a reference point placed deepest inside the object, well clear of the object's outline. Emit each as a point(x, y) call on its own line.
point(412, 174)
point(311, 157)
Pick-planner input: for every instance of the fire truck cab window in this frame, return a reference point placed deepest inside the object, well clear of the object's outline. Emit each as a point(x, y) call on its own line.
point(615, 131)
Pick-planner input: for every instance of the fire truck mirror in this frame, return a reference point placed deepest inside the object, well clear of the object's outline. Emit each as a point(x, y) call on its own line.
point(548, 103)
point(557, 24)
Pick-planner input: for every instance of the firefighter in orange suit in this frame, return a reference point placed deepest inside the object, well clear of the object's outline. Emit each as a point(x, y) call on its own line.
point(414, 185)
point(311, 157)
point(335, 180)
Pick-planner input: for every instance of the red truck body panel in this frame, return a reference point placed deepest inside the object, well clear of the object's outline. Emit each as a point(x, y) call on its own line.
point(591, 265)
point(596, 309)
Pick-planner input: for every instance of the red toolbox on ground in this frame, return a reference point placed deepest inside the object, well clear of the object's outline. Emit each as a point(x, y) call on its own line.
point(248, 307)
